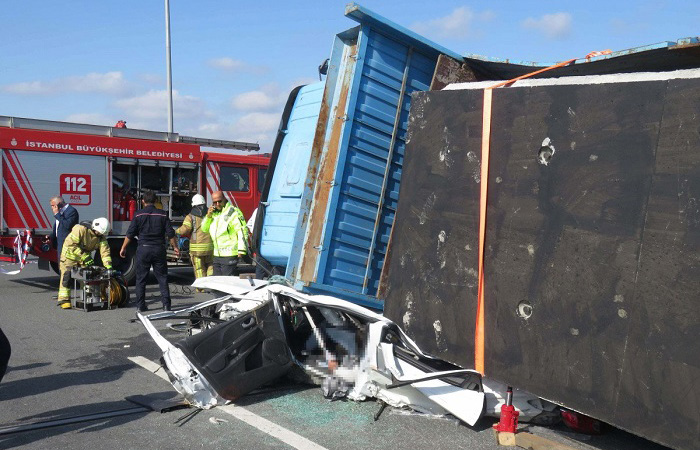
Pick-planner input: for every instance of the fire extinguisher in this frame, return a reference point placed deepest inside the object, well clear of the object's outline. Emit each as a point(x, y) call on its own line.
point(132, 208)
point(115, 204)
point(122, 207)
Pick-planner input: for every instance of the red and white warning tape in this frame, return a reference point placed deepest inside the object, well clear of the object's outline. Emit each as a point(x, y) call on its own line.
point(22, 248)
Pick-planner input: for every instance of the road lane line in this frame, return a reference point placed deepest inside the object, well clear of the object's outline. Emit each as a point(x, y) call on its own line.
point(286, 436)
point(149, 365)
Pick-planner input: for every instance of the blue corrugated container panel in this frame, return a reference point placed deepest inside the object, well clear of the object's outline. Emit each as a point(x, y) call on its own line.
point(287, 186)
point(353, 181)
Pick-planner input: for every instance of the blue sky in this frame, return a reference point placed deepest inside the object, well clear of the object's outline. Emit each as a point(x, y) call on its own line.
point(234, 62)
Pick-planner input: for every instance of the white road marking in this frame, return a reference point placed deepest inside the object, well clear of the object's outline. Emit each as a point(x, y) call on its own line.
point(286, 436)
point(149, 365)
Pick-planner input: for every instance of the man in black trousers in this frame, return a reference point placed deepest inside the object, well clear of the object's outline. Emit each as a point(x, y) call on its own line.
point(5, 351)
point(150, 225)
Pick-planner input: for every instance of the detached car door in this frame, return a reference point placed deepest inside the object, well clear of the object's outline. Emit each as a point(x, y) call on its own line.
point(242, 354)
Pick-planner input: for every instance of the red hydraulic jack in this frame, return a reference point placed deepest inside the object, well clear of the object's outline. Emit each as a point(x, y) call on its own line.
point(508, 424)
point(509, 415)
point(506, 430)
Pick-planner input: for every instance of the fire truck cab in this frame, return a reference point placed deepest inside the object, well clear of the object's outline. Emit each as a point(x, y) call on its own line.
point(104, 171)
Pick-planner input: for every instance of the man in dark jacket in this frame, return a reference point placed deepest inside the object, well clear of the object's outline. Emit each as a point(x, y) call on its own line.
point(5, 352)
point(66, 218)
point(150, 225)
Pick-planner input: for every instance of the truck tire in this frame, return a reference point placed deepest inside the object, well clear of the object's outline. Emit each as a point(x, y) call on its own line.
point(55, 267)
point(127, 266)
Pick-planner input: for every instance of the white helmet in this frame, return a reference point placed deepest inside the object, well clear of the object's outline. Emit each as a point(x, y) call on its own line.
point(100, 226)
point(198, 199)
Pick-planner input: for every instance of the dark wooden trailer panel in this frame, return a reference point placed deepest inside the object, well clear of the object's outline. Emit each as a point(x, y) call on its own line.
point(592, 260)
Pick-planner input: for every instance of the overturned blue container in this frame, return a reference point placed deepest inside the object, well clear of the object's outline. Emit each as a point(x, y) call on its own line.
point(351, 189)
point(282, 202)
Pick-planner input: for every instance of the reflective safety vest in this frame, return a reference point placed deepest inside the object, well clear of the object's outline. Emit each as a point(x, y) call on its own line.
point(228, 231)
point(79, 245)
point(200, 241)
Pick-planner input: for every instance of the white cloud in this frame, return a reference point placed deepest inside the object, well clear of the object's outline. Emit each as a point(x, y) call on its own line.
point(112, 83)
point(92, 118)
point(557, 25)
point(258, 127)
point(26, 88)
point(458, 24)
point(150, 111)
point(154, 105)
point(192, 117)
point(227, 64)
point(253, 116)
point(266, 98)
point(152, 78)
point(255, 127)
point(486, 16)
point(254, 100)
point(215, 131)
point(258, 122)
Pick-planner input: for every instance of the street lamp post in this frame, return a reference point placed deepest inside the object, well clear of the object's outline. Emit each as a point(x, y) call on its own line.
point(169, 68)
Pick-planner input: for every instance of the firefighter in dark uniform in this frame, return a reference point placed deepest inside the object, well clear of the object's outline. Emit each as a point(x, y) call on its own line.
point(150, 225)
point(5, 352)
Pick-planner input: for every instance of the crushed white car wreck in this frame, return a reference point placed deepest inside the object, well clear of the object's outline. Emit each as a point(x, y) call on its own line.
point(258, 332)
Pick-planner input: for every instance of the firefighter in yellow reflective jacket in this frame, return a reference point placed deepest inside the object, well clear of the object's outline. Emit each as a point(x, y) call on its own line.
point(201, 246)
point(229, 233)
point(77, 251)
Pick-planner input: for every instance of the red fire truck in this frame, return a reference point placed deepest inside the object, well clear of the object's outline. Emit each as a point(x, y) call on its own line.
point(103, 172)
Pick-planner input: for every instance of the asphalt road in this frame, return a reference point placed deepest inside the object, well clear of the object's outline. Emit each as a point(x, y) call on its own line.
point(67, 363)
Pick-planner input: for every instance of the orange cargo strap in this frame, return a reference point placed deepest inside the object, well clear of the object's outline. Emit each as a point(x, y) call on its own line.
point(479, 340)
